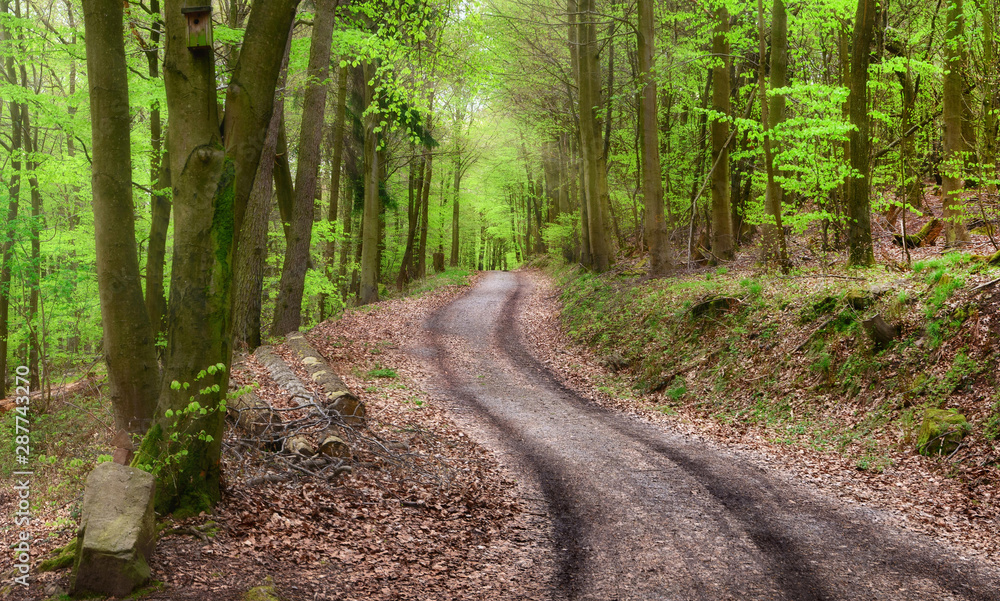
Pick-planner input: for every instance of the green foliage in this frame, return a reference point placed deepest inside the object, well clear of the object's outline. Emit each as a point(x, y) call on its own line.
point(677, 392)
point(164, 449)
point(381, 372)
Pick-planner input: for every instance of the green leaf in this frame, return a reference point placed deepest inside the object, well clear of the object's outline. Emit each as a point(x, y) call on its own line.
point(175, 385)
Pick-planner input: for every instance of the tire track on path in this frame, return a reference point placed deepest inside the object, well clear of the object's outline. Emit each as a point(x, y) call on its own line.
point(639, 512)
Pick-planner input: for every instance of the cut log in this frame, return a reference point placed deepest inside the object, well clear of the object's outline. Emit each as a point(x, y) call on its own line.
point(255, 416)
point(925, 237)
point(332, 445)
point(881, 332)
point(338, 397)
point(283, 375)
point(300, 445)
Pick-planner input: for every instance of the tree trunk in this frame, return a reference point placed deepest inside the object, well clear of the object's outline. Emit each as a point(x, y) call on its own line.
point(722, 223)
point(453, 260)
point(212, 187)
point(590, 138)
point(251, 251)
point(251, 254)
point(772, 114)
point(159, 200)
point(991, 95)
point(35, 340)
point(655, 231)
point(368, 292)
point(425, 196)
point(414, 189)
point(457, 164)
point(913, 190)
point(335, 169)
point(347, 217)
point(955, 144)
point(14, 190)
point(859, 231)
point(284, 187)
point(133, 371)
point(288, 307)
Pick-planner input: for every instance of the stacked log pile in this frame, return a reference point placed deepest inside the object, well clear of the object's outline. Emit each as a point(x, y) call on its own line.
point(317, 444)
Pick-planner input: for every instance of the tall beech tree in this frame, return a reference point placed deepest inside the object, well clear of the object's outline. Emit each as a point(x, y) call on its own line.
point(655, 226)
point(368, 293)
point(211, 188)
point(288, 308)
point(159, 198)
point(722, 222)
point(956, 143)
point(594, 165)
point(133, 372)
point(859, 230)
point(18, 111)
point(773, 113)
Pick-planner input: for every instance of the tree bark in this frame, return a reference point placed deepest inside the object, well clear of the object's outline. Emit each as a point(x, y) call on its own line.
point(955, 144)
point(368, 292)
point(722, 224)
point(284, 186)
point(415, 186)
point(212, 185)
point(288, 307)
point(457, 165)
point(159, 200)
point(425, 196)
point(133, 371)
point(773, 111)
point(655, 231)
point(859, 231)
point(33, 274)
point(991, 96)
point(590, 137)
point(251, 251)
point(453, 259)
point(17, 110)
point(335, 169)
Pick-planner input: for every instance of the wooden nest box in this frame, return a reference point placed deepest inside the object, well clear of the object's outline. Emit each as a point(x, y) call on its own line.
point(199, 26)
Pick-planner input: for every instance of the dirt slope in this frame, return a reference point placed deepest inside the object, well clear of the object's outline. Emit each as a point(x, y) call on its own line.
point(640, 512)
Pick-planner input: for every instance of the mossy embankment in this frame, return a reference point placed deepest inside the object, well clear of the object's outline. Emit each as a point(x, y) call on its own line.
point(795, 356)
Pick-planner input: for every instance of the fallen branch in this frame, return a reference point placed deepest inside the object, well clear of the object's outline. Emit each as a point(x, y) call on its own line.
point(822, 275)
point(986, 285)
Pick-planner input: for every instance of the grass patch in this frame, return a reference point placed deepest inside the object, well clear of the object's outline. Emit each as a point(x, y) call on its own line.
point(381, 372)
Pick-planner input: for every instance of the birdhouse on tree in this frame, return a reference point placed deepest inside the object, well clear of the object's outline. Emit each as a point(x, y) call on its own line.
point(199, 30)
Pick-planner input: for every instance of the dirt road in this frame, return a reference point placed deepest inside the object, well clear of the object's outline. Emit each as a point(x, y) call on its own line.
point(640, 512)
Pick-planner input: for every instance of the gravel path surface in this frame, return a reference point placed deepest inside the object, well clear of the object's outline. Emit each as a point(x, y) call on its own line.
point(640, 512)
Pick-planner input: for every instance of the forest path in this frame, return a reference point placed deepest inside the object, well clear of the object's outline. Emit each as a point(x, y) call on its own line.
point(640, 512)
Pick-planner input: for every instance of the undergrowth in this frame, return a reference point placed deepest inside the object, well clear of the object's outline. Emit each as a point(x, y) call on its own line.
point(792, 355)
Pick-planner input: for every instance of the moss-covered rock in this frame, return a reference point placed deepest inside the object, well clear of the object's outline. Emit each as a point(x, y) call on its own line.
point(117, 531)
point(941, 431)
point(264, 592)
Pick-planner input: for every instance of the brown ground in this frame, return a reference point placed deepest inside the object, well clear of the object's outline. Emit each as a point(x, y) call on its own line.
point(556, 496)
point(645, 512)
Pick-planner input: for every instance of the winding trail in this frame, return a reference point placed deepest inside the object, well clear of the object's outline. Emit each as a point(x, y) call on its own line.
point(640, 512)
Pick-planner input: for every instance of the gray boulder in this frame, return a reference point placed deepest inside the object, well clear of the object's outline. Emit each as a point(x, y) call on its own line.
point(117, 531)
